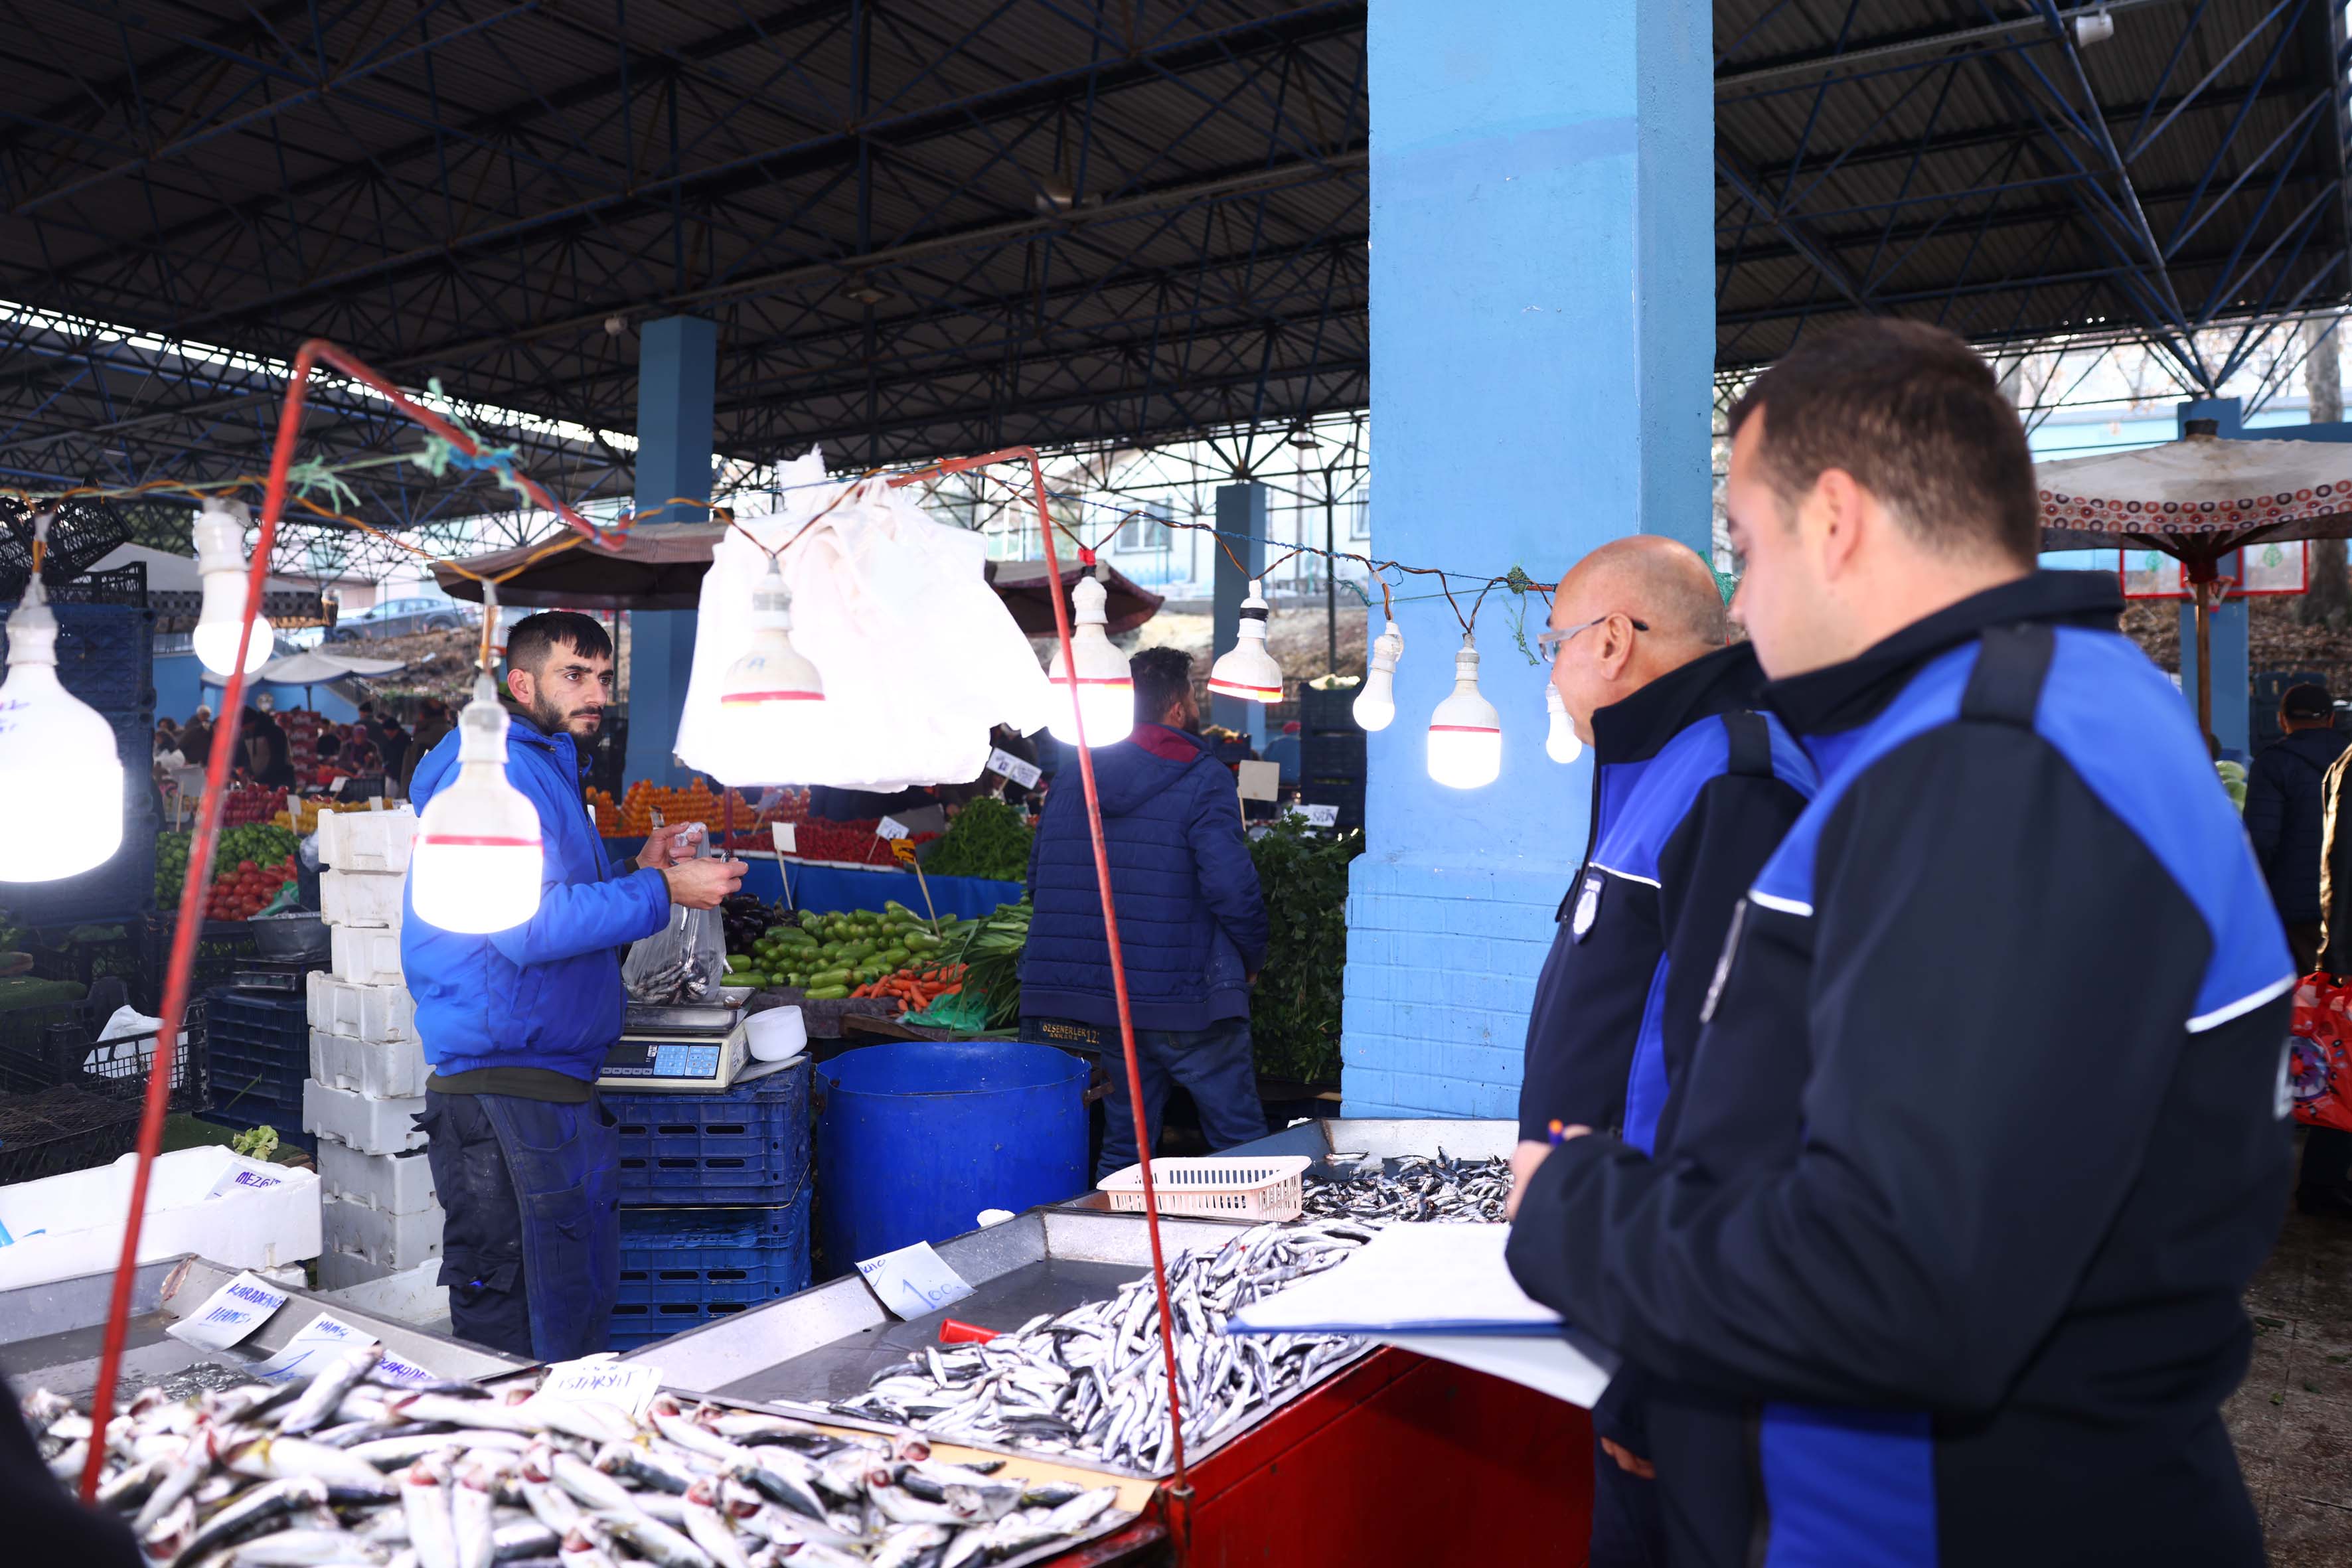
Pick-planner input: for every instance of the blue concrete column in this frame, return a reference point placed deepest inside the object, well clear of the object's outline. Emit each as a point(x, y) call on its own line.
point(2233, 672)
point(1240, 521)
point(678, 361)
point(1542, 338)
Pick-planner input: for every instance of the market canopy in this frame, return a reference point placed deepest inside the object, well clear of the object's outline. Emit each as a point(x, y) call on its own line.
point(311, 667)
point(661, 567)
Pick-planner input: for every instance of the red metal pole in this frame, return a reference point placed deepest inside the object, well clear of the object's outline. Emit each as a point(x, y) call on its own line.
point(1110, 925)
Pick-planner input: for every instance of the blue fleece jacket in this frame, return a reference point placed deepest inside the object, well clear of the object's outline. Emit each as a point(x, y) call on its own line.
point(547, 993)
point(1191, 919)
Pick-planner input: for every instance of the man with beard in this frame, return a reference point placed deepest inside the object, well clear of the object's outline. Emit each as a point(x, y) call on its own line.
point(1192, 921)
point(516, 1024)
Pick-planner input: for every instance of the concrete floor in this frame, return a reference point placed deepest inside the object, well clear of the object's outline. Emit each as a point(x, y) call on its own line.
point(2292, 1418)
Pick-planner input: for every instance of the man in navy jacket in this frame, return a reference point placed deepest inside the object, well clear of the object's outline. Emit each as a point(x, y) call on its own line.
point(516, 1024)
point(1191, 919)
point(1692, 790)
point(1939, 1255)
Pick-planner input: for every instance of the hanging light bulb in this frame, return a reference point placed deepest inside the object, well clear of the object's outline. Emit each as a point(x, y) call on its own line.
point(476, 865)
point(773, 698)
point(220, 557)
point(1376, 703)
point(1246, 669)
point(1465, 733)
point(1102, 693)
point(60, 775)
point(1561, 742)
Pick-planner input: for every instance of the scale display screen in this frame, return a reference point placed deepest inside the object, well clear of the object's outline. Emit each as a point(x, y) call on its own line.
point(663, 1059)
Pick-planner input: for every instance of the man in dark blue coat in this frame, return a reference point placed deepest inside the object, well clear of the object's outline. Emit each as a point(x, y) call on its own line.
point(1940, 1256)
point(1191, 919)
point(2285, 816)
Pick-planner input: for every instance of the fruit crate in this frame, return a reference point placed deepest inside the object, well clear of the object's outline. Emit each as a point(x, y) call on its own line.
point(223, 947)
point(260, 1044)
point(748, 1146)
point(697, 1256)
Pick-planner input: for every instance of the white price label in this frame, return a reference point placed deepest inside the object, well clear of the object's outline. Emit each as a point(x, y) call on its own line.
point(914, 1280)
point(320, 1341)
point(1025, 775)
point(229, 1314)
point(890, 827)
point(1315, 815)
point(786, 836)
point(600, 1379)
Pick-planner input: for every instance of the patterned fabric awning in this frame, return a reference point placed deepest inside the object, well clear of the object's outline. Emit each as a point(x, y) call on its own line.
point(2197, 498)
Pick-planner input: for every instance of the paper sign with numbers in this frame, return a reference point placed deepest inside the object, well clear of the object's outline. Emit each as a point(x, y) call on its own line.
point(890, 827)
point(1025, 775)
point(1317, 816)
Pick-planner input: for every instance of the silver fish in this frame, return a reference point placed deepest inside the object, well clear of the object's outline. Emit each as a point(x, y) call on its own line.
point(305, 1549)
point(654, 1541)
point(325, 1396)
point(425, 1502)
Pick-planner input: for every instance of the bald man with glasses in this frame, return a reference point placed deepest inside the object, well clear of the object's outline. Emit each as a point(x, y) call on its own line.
point(1692, 791)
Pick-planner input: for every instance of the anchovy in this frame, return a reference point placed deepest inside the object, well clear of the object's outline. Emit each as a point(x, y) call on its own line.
point(1417, 1189)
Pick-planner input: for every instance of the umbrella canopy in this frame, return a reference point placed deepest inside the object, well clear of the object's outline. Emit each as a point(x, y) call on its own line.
point(2196, 500)
point(314, 668)
point(661, 567)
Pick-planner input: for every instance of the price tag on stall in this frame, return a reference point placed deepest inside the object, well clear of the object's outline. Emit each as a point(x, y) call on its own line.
point(786, 837)
point(229, 1314)
point(320, 1341)
point(600, 1379)
point(1315, 815)
point(914, 1280)
point(1025, 775)
point(890, 827)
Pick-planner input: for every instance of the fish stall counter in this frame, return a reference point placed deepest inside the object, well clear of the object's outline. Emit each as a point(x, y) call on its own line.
point(1377, 1167)
point(1303, 1451)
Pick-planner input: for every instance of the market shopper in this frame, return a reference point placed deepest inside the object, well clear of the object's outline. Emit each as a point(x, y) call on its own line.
point(517, 1024)
point(1940, 1255)
point(1692, 790)
point(2284, 813)
point(1192, 921)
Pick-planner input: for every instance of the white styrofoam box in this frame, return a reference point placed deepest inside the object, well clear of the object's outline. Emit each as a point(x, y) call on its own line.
point(353, 1119)
point(410, 1296)
point(397, 1183)
point(361, 898)
point(390, 1241)
point(389, 1070)
point(362, 1012)
point(365, 955)
point(243, 1212)
point(366, 840)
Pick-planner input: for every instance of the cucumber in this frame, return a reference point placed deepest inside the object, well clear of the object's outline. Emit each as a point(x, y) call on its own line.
point(739, 960)
point(750, 977)
point(826, 993)
point(826, 978)
point(892, 957)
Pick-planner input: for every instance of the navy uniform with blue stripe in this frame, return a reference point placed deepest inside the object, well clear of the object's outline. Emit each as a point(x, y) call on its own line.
point(1691, 789)
point(1941, 1258)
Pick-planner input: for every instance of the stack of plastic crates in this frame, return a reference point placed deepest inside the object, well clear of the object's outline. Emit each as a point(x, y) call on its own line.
point(260, 1056)
point(714, 1202)
point(69, 1099)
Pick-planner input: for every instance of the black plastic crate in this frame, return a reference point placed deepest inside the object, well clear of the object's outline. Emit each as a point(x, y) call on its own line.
point(59, 1048)
point(1348, 797)
point(223, 949)
point(105, 656)
point(83, 530)
point(1331, 712)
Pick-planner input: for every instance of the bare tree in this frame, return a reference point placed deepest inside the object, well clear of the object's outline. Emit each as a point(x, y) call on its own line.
point(2330, 602)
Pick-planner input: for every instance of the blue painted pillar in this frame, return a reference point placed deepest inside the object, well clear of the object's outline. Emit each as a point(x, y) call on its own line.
point(2233, 673)
point(678, 364)
point(1542, 314)
point(1240, 521)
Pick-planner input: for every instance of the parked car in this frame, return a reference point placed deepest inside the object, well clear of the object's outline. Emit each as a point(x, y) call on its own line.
point(398, 617)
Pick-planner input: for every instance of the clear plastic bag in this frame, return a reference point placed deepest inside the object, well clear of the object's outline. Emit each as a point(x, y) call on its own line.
point(686, 960)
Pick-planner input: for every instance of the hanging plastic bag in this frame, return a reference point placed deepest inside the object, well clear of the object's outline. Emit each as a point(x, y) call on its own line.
point(684, 961)
point(2319, 1059)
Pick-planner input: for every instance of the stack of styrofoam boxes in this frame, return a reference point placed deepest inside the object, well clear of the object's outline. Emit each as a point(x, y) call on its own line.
point(379, 1215)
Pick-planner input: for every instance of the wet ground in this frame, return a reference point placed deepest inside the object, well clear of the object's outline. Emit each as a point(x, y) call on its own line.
point(2292, 1418)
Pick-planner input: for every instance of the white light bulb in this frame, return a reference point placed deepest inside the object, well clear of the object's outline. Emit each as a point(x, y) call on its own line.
point(220, 557)
point(1376, 703)
point(1246, 669)
point(773, 700)
point(1561, 742)
point(1465, 733)
point(1103, 693)
point(476, 865)
point(60, 775)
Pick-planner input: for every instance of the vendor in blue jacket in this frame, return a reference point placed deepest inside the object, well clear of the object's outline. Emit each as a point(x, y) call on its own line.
point(516, 1024)
point(1192, 921)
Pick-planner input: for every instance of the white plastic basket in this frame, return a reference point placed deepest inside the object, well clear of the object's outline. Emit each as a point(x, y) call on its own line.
point(1216, 1186)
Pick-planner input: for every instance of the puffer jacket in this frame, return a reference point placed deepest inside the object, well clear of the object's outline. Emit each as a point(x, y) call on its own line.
point(1191, 919)
point(2283, 817)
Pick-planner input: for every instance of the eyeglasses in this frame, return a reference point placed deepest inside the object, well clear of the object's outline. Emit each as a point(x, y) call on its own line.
point(1548, 646)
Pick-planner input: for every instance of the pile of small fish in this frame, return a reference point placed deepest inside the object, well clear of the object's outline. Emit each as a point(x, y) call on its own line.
point(1094, 1381)
point(1423, 1189)
point(351, 1469)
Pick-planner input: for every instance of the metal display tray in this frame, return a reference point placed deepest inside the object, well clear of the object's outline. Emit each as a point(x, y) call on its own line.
point(826, 1344)
point(50, 1334)
point(1340, 1146)
point(681, 1018)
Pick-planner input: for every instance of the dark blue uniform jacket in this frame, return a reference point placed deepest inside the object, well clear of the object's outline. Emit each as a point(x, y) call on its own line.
point(1939, 1260)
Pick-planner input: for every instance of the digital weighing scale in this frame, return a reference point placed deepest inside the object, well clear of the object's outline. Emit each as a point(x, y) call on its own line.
point(691, 1049)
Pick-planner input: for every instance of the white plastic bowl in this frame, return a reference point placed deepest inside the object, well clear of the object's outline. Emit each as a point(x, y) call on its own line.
point(776, 1035)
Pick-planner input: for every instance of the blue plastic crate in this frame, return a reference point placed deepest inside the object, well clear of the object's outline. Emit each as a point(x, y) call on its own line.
point(105, 653)
point(670, 1256)
point(748, 1146)
point(642, 1324)
point(260, 1047)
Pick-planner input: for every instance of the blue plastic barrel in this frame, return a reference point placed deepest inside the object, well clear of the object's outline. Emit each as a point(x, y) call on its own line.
point(914, 1138)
